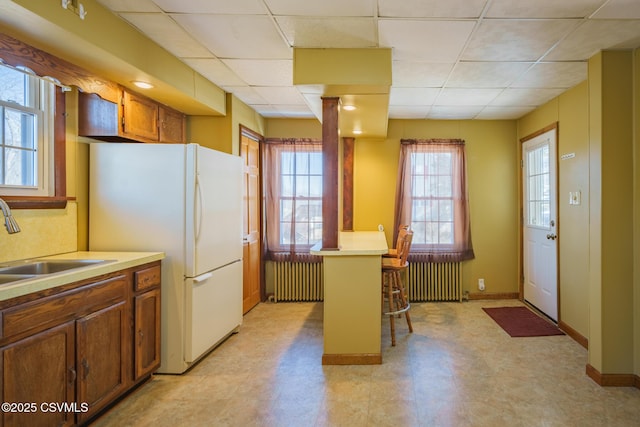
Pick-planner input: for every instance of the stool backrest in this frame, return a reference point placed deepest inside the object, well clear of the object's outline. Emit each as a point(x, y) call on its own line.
point(402, 231)
point(405, 246)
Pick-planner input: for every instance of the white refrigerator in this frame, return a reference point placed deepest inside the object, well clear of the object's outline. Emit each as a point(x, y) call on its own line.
point(184, 200)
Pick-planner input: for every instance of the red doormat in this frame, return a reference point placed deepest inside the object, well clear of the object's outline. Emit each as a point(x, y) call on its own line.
point(522, 322)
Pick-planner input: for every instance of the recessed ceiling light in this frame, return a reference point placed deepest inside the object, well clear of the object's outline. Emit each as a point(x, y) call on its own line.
point(142, 85)
point(349, 107)
point(357, 131)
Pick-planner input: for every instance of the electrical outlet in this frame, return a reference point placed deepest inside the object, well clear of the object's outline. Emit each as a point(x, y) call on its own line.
point(481, 284)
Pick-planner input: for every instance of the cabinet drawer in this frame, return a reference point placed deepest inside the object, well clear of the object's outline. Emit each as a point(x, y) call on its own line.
point(147, 278)
point(50, 311)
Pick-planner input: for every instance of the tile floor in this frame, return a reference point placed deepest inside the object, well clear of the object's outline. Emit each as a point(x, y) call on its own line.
point(458, 368)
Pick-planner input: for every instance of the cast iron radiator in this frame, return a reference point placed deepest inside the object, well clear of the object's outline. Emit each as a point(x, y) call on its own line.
point(435, 281)
point(298, 281)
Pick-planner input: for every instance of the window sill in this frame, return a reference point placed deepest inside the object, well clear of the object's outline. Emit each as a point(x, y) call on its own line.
point(24, 202)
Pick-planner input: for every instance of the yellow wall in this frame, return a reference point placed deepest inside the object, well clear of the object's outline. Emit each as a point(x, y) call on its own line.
point(571, 111)
point(636, 214)
point(491, 154)
point(223, 133)
point(612, 150)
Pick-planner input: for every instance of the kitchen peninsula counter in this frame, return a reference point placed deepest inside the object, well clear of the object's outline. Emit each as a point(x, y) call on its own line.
point(352, 298)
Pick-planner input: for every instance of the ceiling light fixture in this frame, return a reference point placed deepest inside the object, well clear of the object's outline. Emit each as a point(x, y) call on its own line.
point(349, 107)
point(142, 85)
point(357, 132)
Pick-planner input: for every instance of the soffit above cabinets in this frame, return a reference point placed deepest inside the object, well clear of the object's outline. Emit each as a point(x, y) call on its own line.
point(451, 59)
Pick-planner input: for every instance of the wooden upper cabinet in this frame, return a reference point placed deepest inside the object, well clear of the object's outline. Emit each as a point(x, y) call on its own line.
point(172, 126)
point(137, 118)
point(140, 117)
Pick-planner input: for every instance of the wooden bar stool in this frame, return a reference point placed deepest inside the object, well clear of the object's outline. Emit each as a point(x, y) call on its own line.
point(393, 252)
point(393, 290)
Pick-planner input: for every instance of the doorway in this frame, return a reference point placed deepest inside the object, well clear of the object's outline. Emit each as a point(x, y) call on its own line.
point(540, 221)
point(251, 247)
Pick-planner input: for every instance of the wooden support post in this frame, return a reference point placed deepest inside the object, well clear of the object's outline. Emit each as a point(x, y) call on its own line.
point(330, 173)
point(348, 144)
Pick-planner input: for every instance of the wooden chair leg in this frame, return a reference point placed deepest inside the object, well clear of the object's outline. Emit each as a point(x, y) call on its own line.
point(391, 309)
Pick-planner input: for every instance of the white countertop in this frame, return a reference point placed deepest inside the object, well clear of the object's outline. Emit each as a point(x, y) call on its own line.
point(356, 243)
point(117, 261)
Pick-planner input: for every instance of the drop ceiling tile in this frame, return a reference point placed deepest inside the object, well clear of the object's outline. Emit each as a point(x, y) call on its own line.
point(619, 9)
point(408, 112)
point(215, 70)
point(420, 74)
point(167, 33)
point(433, 41)
point(525, 97)
point(130, 6)
point(468, 97)
point(553, 75)
point(595, 35)
point(515, 40)
point(267, 110)
point(542, 8)
point(486, 74)
point(322, 8)
point(453, 112)
point(412, 96)
point(246, 94)
point(295, 111)
point(286, 95)
point(430, 8)
point(321, 32)
point(236, 36)
point(235, 7)
point(503, 113)
point(263, 72)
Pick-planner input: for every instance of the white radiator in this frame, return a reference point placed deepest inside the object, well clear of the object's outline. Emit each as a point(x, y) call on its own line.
point(298, 281)
point(435, 281)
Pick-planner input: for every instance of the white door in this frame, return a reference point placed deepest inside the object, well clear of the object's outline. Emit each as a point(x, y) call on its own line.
point(540, 239)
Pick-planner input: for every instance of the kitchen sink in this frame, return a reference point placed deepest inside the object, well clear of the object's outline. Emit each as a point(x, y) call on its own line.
point(6, 279)
point(41, 267)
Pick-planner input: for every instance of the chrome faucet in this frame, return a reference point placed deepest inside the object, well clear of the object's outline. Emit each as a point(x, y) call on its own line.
point(9, 221)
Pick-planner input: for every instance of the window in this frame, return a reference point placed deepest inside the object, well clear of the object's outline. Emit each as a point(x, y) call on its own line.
point(538, 187)
point(432, 199)
point(300, 197)
point(293, 197)
point(26, 134)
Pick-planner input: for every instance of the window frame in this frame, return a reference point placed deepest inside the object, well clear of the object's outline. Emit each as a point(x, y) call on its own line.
point(57, 160)
point(430, 199)
point(283, 197)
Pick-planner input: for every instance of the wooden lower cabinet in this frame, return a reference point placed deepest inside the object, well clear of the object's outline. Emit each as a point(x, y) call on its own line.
point(68, 355)
point(102, 340)
point(146, 333)
point(39, 370)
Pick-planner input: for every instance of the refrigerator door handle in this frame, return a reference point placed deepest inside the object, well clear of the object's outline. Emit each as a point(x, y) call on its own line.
point(202, 277)
point(197, 223)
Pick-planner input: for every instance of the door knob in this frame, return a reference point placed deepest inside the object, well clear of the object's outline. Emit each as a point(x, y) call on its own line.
point(551, 236)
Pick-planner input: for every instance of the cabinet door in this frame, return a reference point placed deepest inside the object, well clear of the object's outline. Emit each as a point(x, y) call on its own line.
point(101, 357)
point(40, 369)
point(140, 117)
point(172, 126)
point(147, 333)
